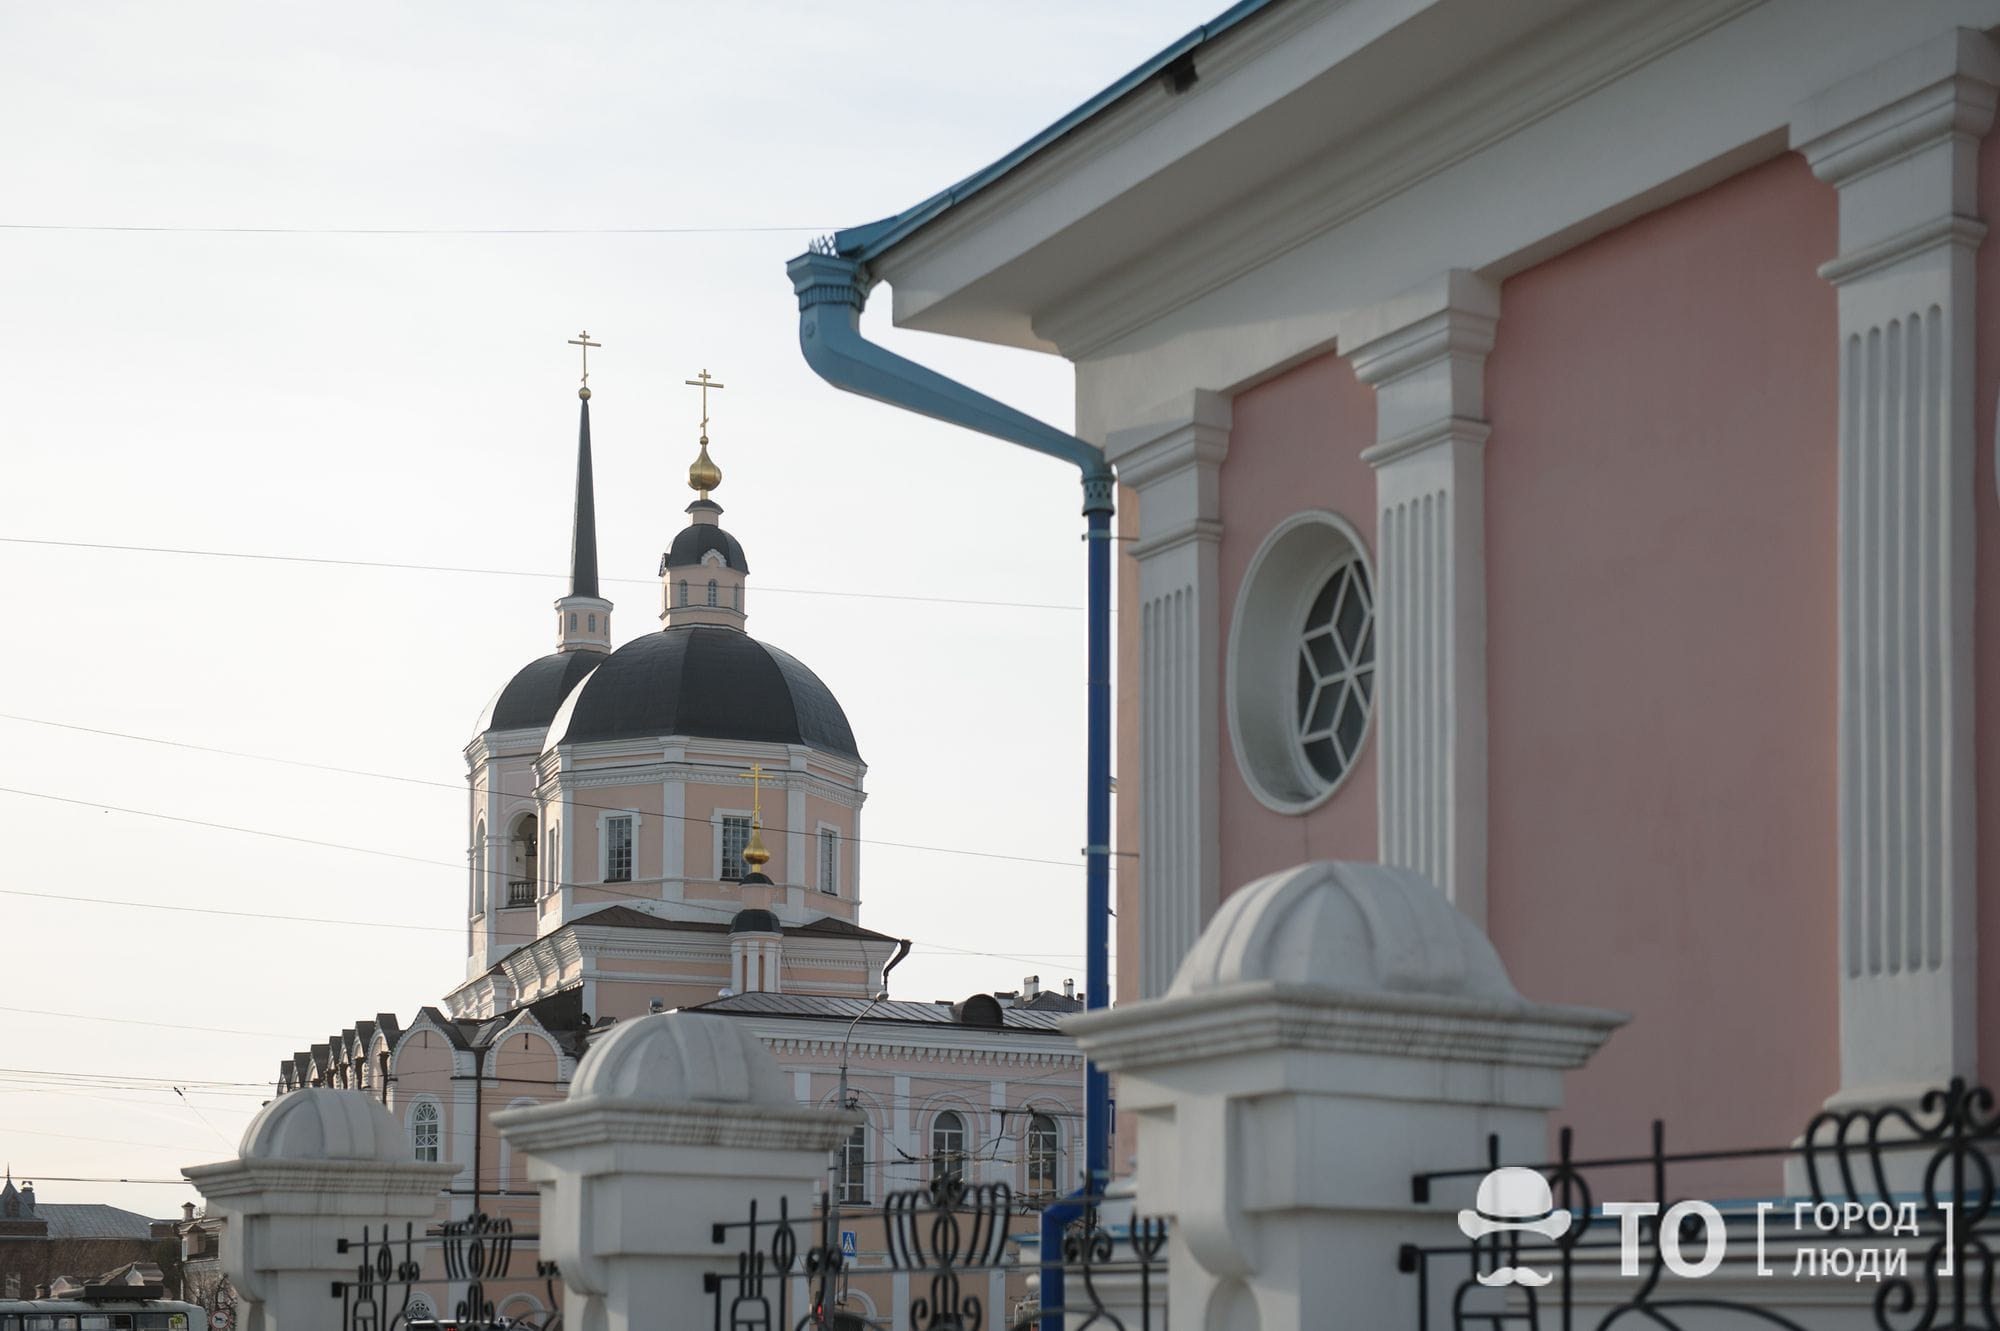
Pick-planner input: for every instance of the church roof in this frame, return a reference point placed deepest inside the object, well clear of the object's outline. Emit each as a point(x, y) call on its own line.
point(706, 681)
point(692, 542)
point(827, 1008)
point(625, 917)
point(530, 699)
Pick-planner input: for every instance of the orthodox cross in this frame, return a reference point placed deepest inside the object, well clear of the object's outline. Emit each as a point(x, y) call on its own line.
point(704, 383)
point(583, 340)
point(756, 775)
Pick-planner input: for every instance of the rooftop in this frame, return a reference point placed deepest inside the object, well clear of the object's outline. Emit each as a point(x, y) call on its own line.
point(817, 1007)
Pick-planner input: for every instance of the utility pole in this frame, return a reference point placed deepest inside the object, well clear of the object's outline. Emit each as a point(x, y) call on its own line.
point(830, 1226)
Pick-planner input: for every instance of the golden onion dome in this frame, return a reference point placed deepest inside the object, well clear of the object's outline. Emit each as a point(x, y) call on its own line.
point(703, 474)
point(754, 854)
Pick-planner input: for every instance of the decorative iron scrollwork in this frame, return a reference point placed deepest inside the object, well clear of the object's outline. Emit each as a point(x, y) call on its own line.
point(477, 1252)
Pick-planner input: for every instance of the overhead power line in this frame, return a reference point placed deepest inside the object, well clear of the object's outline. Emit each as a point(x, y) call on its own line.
point(513, 573)
point(414, 230)
point(458, 787)
point(609, 889)
point(135, 1021)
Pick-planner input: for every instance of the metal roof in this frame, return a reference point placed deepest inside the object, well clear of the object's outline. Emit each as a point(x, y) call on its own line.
point(92, 1220)
point(708, 681)
point(847, 1009)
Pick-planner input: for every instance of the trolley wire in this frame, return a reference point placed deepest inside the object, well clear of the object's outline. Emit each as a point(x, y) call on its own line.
point(517, 573)
point(476, 790)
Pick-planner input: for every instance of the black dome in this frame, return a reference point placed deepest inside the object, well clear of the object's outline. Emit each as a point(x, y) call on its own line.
point(698, 539)
point(754, 921)
point(706, 681)
point(532, 697)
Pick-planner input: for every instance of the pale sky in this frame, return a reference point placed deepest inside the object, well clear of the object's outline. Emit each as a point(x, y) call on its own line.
point(409, 400)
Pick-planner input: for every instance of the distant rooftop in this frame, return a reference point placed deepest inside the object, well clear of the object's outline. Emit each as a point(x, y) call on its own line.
point(813, 1006)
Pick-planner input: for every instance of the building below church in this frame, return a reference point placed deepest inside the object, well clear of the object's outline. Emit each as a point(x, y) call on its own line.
point(675, 824)
point(44, 1242)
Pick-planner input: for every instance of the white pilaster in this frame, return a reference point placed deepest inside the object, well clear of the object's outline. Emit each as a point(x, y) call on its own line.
point(1425, 355)
point(800, 853)
point(1172, 464)
point(1901, 143)
point(674, 867)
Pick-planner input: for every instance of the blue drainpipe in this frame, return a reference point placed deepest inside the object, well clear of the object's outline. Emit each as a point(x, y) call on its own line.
point(832, 289)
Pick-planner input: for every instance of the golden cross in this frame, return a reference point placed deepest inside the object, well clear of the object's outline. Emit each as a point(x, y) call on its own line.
point(756, 775)
point(704, 383)
point(583, 340)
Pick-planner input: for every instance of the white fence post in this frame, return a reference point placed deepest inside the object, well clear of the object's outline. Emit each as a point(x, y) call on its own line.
point(315, 1167)
point(1336, 1029)
point(675, 1123)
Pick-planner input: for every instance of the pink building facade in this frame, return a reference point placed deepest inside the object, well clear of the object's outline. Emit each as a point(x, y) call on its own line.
point(1556, 446)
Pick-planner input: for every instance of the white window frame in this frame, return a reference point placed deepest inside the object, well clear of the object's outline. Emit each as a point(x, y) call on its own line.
point(936, 1156)
point(819, 857)
point(851, 1179)
point(1261, 665)
point(605, 844)
point(417, 1107)
point(715, 842)
point(1051, 1186)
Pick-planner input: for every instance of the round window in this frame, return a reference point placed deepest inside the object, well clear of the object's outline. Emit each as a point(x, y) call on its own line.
point(1302, 662)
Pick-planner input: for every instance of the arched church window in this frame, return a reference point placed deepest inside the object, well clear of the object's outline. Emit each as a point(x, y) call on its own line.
point(711, 592)
point(572, 621)
point(737, 593)
point(593, 622)
point(425, 1125)
point(1043, 1144)
point(684, 591)
point(947, 1144)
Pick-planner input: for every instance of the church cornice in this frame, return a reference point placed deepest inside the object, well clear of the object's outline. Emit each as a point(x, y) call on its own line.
point(553, 784)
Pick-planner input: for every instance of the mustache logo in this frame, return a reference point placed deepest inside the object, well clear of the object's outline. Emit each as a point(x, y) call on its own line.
point(1514, 1275)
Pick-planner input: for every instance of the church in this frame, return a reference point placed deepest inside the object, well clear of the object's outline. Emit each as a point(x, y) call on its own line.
point(674, 824)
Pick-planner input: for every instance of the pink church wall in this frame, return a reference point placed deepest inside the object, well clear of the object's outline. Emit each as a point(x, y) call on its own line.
point(1298, 438)
point(1986, 628)
point(1661, 538)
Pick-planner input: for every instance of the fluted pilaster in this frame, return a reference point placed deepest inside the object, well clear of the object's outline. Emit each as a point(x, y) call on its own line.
point(1173, 466)
point(1425, 355)
point(1900, 142)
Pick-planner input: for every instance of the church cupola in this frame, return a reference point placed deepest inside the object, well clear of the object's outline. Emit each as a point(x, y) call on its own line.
point(583, 618)
point(703, 573)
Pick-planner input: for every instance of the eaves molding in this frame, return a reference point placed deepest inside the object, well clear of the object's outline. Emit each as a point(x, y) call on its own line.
point(1600, 45)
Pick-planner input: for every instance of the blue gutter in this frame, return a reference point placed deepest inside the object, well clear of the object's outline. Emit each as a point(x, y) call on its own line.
point(868, 241)
point(832, 289)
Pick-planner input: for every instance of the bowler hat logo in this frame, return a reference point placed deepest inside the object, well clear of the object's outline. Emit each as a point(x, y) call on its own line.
point(1513, 1200)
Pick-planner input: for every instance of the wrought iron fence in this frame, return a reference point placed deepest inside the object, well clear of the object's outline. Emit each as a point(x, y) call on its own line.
point(948, 1239)
point(476, 1252)
point(1916, 1186)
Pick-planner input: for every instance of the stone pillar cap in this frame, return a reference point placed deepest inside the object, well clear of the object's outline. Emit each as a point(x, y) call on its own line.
point(1356, 927)
point(1343, 958)
point(319, 1123)
point(680, 1058)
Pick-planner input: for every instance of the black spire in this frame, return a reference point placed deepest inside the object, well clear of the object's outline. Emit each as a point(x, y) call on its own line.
point(583, 543)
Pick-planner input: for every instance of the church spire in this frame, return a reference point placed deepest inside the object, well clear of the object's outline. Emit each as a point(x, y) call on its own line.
point(583, 618)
